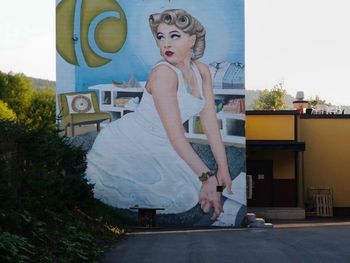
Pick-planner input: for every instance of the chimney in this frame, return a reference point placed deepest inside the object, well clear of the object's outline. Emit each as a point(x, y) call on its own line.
point(300, 104)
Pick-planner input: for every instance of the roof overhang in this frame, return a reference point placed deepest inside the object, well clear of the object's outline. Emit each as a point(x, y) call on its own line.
point(291, 146)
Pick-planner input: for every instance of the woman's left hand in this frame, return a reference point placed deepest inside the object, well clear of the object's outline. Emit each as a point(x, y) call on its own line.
point(224, 179)
point(209, 198)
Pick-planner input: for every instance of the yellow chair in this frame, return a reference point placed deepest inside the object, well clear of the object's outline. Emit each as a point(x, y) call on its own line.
point(80, 108)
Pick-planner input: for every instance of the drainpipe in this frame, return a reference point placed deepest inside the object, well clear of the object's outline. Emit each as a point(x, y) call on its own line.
point(301, 192)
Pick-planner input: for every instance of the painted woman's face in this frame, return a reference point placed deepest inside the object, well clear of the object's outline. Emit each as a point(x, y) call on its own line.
point(174, 44)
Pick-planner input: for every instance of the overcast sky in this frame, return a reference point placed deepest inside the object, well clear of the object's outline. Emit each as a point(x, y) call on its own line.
point(303, 43)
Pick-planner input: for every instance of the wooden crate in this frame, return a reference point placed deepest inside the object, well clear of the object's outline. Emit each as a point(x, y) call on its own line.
point(324, 205)
point(323, 200)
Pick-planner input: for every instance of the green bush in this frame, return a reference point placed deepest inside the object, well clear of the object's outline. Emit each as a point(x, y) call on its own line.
point(47, 209)
point(42, 195)
point(43, 167)
point(14, 248)
point(77, 245)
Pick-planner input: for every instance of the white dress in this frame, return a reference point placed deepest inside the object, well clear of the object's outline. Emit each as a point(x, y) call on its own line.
point(133, 163)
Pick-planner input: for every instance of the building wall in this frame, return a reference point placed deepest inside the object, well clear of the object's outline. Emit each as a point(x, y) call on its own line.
point(284, 192)
point(276, 126)
point(283, 163)
point(270, 127)
point(326, 160)
point(327, 155)
point(99, 42)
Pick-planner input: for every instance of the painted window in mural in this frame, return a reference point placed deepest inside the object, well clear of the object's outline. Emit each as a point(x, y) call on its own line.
point(171, 75)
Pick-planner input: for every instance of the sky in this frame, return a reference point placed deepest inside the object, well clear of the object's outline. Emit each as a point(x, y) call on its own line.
point(303, 43)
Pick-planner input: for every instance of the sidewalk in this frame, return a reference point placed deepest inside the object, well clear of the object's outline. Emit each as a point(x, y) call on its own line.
point(312, 222)
point(311, 240)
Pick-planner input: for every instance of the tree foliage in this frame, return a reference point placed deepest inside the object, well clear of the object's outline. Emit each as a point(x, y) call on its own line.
point(42, 109)
point(17, 91)
point(273, 99)
point(25, 104)
point(42, 184)
point(313, 102)
point(5, 112)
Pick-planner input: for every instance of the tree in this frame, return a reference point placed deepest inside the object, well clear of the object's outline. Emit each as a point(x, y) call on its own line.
point(17, 91)
point(273, 99)
point(313, 102)
point(23, 103)
point(5, 112)
point(42, 110)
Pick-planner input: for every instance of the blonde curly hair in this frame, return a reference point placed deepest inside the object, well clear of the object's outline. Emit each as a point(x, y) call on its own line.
point(185, 22)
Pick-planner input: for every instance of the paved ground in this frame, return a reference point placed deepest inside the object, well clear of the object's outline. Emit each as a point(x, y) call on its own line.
point(318, 241)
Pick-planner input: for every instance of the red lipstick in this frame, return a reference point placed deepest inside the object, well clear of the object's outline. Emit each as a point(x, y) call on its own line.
point(169, 53)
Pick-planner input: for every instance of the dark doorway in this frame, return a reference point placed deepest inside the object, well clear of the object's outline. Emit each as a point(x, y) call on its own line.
point(261, 172)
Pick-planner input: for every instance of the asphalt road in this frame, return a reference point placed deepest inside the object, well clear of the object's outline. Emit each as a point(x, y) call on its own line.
point(284, 243)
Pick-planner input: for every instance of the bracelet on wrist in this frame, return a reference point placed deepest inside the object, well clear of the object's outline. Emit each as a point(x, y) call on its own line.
point(205, 176)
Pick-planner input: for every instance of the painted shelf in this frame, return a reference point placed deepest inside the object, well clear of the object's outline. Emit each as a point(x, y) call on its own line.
point(109, 92)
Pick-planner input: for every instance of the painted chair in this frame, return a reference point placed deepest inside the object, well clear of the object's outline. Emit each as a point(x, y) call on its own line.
point(80, 108)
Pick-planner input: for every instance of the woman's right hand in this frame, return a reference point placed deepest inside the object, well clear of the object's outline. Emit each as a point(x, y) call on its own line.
point(224, 179)
point(210, 198)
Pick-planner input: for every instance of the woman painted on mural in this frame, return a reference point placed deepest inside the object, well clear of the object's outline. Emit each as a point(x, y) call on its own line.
point(144, 158)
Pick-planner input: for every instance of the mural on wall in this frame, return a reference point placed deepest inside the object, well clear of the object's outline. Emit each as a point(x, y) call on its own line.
point(171, 73)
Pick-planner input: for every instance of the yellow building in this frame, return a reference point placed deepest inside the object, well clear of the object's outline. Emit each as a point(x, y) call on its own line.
point(288, 153)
